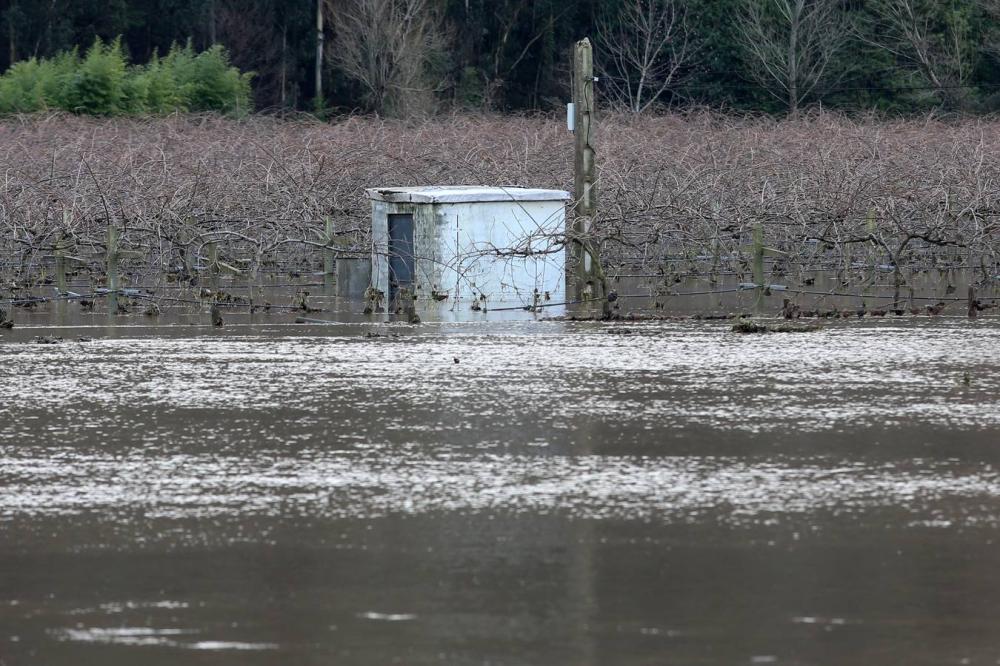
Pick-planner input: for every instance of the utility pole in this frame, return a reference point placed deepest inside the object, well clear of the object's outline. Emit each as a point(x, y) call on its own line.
point(284, 64)
point(211, 22)
point(318, 100)
point(11, 41)
point(588, 276)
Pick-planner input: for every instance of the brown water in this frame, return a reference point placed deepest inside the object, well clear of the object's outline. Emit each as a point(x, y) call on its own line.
point(280, 494)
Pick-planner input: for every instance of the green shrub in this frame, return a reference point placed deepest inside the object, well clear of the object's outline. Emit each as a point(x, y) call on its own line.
point(56, 76)
point(471, 88)
point(207, 81)
point(163, 94)
point(98, 87)
point(102, 83)
point(21, 89)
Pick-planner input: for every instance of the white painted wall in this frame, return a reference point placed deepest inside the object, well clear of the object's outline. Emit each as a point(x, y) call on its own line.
point(504, 250)
point(485, 248)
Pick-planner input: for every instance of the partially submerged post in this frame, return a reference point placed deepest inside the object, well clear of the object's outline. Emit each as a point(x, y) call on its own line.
point(973, 303)
point(188, 235)
point(253, 289)
point(328, 255)
point(60, 254)
point(112, 269)
point(216, 313)
point(758, 267)
point(213, 264)
point(587, 274)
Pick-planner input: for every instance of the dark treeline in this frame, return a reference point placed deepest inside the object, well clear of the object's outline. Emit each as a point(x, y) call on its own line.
point(399, 57)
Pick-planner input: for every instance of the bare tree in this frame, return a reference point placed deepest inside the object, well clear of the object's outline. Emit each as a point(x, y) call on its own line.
point(394, 49)
point(936, 41)
point(855, 199)
point(247, 32)
point(511, 20)
point(790, 45)
point(643, 50)
point(991, 38)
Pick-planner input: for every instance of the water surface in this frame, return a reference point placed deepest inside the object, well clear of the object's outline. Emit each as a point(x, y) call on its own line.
point(503, 492)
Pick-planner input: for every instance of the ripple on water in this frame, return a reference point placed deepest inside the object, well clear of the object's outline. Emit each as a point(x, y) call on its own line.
point(670, 375)
point(345, 426)
point(380, 482)
point(149, 636)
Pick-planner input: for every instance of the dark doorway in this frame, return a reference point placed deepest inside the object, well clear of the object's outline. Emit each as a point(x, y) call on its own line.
point(401, 261)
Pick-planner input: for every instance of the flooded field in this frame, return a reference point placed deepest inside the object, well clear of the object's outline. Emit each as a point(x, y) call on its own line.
point(498, 492)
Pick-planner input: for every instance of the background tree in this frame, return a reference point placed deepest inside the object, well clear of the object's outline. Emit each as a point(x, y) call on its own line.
point(252, 32)
point(790, 44)
point(644, 49)
point(934, 42)
point(394, 49)
point(513, 55)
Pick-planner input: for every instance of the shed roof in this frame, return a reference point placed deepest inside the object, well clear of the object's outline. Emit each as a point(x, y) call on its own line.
point(463, 194)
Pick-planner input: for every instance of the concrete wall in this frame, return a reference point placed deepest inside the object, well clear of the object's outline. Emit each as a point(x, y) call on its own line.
point(501, 249)
point(353, 276)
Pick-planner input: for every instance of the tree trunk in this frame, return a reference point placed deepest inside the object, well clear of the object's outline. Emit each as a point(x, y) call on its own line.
point(13, 42)
point(211, 22)
point(318, 99)
point(793, 64)
point(284, 65)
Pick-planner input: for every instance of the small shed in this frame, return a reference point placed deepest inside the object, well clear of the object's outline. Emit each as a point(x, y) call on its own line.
point(496, 245)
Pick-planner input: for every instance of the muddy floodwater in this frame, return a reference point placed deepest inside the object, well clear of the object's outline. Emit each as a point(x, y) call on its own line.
point(499, 492)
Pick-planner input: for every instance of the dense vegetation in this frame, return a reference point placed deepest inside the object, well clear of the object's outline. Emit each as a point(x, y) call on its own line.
point(103, 84)
point(413, 56)
point(848, 195)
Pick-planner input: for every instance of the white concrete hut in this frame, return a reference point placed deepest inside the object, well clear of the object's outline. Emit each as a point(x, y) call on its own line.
point(450, 246)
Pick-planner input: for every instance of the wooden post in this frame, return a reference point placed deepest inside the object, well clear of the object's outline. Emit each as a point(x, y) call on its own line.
point(112, 269)
point(328, 256)
point(585, 257)
point(758, 267)
point(973, 303)
point(869, 287)
point(61, 252)
point(251, 286)
point(187, 237)
point(61, 263)
point(213, 264)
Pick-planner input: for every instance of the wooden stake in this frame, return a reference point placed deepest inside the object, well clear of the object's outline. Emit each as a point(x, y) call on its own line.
point(112, 269)
point(213, 264)
point(973, 303)
point(758, 267)
point(187, 236)
point(61, 263)
point(328, 256)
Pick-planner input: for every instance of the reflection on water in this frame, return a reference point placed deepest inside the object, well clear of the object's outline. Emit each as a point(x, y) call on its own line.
point(508, 492)
point(378, 481)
